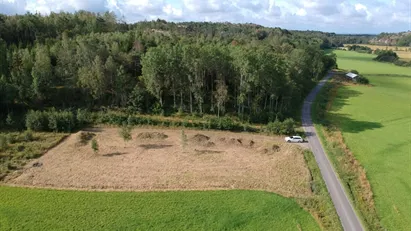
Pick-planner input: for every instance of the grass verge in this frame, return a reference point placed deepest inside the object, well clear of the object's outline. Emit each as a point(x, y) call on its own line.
point(320, 205)
point(348, 168)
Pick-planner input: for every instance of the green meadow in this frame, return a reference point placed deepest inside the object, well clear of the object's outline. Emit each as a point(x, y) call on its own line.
point(376, 125)
point(42, 209)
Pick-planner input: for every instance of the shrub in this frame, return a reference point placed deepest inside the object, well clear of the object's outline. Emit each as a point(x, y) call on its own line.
point(36, 121)
point(274, 127)
point(363, 80)
point(288, 126)
point(28, 136)
point(9, 120)
point(125, 132)
point(94, 145)
point(61, 121)
point(83, 117)
point(3, 142)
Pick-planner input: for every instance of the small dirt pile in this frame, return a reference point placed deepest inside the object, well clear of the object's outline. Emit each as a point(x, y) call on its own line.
point(152, 135)
point(200, 138)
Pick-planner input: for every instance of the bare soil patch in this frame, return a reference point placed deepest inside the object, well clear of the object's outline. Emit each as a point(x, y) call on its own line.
point(209, 160)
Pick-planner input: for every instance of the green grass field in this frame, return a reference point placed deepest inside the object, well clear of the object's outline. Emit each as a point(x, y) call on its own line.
point(40, 209)
point(376, 126)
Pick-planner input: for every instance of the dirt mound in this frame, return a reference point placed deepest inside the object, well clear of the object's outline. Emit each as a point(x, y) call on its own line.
point(209, 144)
point(275, 148)
point(152, 135)
point(200, 138)
point(84, 137)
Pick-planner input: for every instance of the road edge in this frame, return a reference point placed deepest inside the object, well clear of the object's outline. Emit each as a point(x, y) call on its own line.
point(346, 212)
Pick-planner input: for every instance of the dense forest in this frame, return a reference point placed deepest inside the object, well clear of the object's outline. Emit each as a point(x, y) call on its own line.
point(94, 61)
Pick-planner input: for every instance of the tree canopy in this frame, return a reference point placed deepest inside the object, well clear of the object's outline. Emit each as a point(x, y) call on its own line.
point(87, 60)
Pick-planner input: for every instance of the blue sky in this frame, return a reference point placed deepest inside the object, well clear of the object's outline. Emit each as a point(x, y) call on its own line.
point(340, 16)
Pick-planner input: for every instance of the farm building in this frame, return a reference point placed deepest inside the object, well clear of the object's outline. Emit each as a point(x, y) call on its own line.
point(351, 76)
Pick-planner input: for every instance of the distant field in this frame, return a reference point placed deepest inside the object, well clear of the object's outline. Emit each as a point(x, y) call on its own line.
point(402, 52)
point(40, 209)
point(375, 122)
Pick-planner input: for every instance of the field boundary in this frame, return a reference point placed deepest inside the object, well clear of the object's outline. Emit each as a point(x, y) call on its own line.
point(344, 162)
point(320, 205)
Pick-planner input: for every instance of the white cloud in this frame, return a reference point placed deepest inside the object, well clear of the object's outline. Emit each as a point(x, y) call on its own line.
point(353, 16)
point(301, 12)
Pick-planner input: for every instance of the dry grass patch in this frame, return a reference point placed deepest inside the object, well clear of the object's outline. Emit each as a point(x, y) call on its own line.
point(230, 161)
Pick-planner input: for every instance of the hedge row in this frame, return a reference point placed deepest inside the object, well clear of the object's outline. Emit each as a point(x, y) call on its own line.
point(67, 121)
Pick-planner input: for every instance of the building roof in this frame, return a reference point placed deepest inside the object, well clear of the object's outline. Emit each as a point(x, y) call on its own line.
point(351, 75)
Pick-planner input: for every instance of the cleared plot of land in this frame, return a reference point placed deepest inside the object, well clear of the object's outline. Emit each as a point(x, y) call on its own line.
point(402, 52)
point(375, 124)
point(40, 209)
point(157, 160)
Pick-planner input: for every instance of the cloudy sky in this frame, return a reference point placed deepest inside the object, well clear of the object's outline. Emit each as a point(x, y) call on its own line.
point(341, 16)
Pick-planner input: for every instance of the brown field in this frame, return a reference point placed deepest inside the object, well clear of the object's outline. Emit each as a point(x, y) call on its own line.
point(152, 161)
point(403, 52)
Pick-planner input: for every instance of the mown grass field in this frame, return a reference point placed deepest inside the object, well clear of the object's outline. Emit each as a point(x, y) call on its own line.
point(403, 52)
point(376, 126)
point(41, 209)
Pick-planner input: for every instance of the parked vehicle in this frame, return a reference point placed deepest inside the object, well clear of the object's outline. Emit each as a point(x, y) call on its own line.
point(294, 139)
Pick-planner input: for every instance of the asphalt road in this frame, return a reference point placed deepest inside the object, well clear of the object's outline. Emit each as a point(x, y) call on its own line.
point(345, 210)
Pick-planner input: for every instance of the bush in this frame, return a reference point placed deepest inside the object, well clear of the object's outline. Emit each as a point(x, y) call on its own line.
point(288, 127)
point(83, 117)
point(9, 120)
point(61, 121)
point(94, 145)
point(125, 132)
point(363, 80)
point(274, 127)
point(36, 121)
point(3, 142)
point(28, 136)
point(281, 128)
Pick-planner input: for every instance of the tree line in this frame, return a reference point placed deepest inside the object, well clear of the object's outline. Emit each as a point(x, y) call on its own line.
point(94, 61)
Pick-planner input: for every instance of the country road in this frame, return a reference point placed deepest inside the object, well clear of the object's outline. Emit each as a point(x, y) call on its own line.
point(345, 210)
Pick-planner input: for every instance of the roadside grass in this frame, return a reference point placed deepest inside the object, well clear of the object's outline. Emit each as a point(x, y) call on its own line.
point(320, 206)
point(374, 124)
point(41, 209)
point(348, 168)
point(18, 148)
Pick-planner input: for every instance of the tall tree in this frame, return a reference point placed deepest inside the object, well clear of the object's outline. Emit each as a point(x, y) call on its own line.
point(42, 72)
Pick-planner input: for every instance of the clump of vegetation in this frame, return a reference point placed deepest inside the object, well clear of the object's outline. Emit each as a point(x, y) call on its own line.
point(9, 120)
point(287, 127)
point(386, 56)
point(28, 136)
point(125, 133)
point(3, 142)
point(94, 145)
point(85, 137)
point(183, 139)
point(360, 49)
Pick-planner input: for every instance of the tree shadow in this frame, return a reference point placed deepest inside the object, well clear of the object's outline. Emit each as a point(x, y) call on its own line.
point(154, 146)
point(92, 130)
point(114, 154)
point(349, 125)
point(341, 99)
